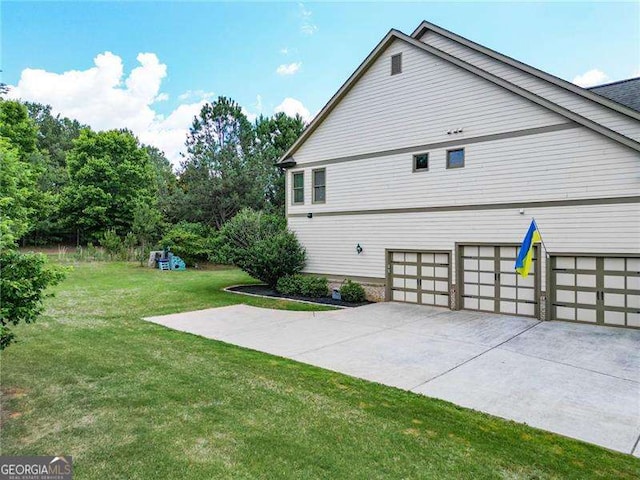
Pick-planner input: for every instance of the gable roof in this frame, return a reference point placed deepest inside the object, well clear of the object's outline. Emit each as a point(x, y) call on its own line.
point(286, 160)
point(624, 92)
point(424, 26)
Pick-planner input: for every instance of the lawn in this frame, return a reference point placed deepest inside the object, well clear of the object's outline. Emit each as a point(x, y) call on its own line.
point(130, 399)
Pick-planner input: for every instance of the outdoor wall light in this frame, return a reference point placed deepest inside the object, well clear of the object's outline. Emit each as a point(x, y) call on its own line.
point(309, 215)
point(358, 249)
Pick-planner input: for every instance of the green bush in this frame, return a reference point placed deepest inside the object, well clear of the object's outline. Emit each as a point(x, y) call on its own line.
point(23, 280)
point(189, 241)
point(261, 245)
point(303, 285)
point(112, 243)
point(352, 292)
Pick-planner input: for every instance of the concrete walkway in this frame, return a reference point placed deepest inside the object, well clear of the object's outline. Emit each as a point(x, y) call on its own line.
point(581, 381)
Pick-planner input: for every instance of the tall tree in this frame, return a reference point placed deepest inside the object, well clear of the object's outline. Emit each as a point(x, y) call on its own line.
point(220, 175)
point(109, 174)
point(55, 136)
point(274, 136)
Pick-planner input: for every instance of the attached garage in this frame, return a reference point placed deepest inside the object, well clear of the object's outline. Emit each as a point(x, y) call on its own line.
point(422, 277)
point(596, 289)
point(488, 282)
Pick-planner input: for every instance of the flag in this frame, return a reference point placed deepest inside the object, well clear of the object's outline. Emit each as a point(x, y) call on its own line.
point(525, 255)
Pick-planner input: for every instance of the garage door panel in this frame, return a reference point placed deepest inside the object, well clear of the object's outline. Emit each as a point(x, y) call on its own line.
point(568, 296)
point(602, 291)
point(508, 307)
point(498, 288)
point(441, 286)
point(633, 283)
point(416, 277)
point(633, 301)
point(585, 263)
point(614, 281)
point(586, 315)
point(633, 319)
point(442, 300)
point(487, 291)
point(614, 300)
point(488, 278)
point(615, 264)
point(528, 309)
point(586, 298)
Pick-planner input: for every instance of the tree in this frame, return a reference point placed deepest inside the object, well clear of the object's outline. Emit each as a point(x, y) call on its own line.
point(274, 136)
point(261, 245)
point(146, 224)
point(109, 175)
point(165, 178)
point(23, 278)
point(220, 175)
point(55, 136)
point(17, 188)
point(18, 128)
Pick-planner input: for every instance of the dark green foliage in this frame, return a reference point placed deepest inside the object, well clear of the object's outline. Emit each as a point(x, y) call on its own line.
point(17, 127)
point(189, 241)
point(352, 292)
point(111, 243)
point(17, 189)
point(303, 285)
point(274, 136)
point(261, 245)
point(23, 281)
point(109, 175)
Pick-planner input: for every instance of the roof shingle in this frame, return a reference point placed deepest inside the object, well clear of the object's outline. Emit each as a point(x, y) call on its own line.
point(625, 92)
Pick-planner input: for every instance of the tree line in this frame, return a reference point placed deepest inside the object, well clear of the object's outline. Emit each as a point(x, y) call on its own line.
point(62, 182)
point(88, 183)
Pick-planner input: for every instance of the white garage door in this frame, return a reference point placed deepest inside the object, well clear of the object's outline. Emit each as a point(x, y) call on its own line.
point(596, 289)
point(488, 281)
point(419, 277)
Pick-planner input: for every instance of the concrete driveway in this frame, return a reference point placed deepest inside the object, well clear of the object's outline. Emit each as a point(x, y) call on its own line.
point(581, 381)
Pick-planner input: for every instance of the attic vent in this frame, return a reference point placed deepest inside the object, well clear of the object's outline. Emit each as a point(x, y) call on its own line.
point(396, 64)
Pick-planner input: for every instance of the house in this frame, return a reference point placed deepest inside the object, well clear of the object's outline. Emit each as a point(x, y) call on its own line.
point(422, 173)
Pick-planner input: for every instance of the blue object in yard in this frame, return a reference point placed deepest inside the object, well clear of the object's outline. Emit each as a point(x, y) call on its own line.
point(177, 263)
point(335, 294)
point(164, 265)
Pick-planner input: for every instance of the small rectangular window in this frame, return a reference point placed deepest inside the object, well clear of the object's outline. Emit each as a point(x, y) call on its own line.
point(298, 188)
point(319, 186)
point(421, 162)
point(396, 64)
point(455, 158)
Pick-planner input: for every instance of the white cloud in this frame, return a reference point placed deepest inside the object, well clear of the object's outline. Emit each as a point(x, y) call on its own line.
point(291, 106)
point(591, 78)
point(257, 109)
point(288, 69)
point(196, 95)
point(307, 26)
point(284, 51)
point(103, 99)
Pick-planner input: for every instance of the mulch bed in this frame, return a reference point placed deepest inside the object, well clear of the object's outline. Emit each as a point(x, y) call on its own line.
point(269, 292)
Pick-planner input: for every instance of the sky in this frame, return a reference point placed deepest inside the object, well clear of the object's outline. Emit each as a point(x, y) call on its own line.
point(150, 66)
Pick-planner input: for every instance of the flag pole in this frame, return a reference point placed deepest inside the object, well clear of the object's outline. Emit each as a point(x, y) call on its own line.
point(541, 239)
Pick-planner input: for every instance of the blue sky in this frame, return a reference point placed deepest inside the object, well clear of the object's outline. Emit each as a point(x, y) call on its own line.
point(235, 49)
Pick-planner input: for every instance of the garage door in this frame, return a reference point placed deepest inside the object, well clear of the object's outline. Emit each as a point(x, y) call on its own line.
point(596, 289)
point(419, 277)
point(489, 282)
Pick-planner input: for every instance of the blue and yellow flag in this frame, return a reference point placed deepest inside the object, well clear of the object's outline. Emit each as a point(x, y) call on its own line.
point(525, 255)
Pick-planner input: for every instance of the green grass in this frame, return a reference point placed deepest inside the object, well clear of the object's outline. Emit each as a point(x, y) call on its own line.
point(130, 399)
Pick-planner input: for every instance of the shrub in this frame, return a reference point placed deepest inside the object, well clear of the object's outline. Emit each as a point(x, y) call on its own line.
point(261, 245)
point(189, 241)
point(111, 243)
point(23, 280)
point(352, 292)
point(303, 285)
